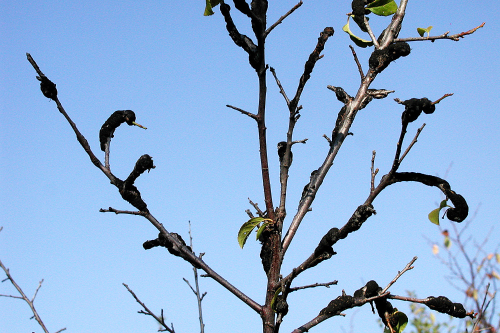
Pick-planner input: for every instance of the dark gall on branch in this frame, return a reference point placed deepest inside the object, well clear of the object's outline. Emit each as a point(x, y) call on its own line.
point(266, 253)
point(144, 163)
point(280, 305)
point(243, 7)
point(316, 54)
point(414, 107)
point(444, 305)
point(357, 219)
point(386, 311)
point(115, 120)
point(281, 153)
point(127, 188)
point(47, 87)
point(461, 210)
point(359, 12)
point(163, 241)
point(338, 305)
point(380, 59)
point(338, 122)
point(341, 95)
point(171, 246)
point(241, 40)
point(131, 194)
point(326, 243)
point(371, 289)
point(309, 186)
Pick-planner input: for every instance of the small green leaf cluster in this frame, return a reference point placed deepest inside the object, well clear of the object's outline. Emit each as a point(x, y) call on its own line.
point(248, 227)
point(422, 31)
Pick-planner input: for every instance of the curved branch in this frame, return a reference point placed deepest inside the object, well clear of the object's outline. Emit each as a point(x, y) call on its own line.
point(457, 214)
point(240, 40)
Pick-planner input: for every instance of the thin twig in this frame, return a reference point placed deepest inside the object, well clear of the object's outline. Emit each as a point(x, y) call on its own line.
point(282, 18)
point(24, 297)
point(36, 291)
point(326, 284)
point(373, 172)
point(482, 309)
point(249, 213)
point(300, 141)
point(116, 211)
point(407, 268)
point(256, 206)
point(199, 297)
point(360, 69)
point(411, 143)
point(444, 96)
point(251, 115)
point(12, 296)
point(107, 149)
point(455, 37)
point(148, 312)
point(370, 32)
point(282, 91)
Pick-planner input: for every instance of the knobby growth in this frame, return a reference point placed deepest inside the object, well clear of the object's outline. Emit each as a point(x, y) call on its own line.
point(387, 48)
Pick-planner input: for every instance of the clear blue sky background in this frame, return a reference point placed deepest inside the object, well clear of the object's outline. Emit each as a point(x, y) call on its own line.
point(177, 70)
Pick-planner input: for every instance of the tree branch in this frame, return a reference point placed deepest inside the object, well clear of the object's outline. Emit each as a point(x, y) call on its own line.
point(160, 320)
point(25, 298)
point(182, 250)
point(455, 37)
point(282, 18)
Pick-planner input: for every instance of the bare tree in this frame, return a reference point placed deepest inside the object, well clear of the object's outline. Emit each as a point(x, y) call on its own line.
point(270, 220)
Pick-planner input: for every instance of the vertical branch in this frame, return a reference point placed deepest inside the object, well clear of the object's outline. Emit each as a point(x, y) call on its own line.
point(350, 113)
point(199, 297)
point(394, 27)
point(261, 124)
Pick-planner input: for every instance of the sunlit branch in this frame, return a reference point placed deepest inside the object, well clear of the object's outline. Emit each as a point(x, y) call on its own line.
point(282, 18)
point(455, 37)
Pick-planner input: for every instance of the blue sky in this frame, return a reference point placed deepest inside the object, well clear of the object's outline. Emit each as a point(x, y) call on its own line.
point(177, 70)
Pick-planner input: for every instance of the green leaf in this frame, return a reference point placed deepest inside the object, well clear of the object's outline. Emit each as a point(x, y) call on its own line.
point(434, 215)
point(383, 7)
point(276, 293)
point(422, 31)
point(209, 5)
point(402, 321)
point(358, 41)
point(247, 228)
point(261, 229)
point(443, 204)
